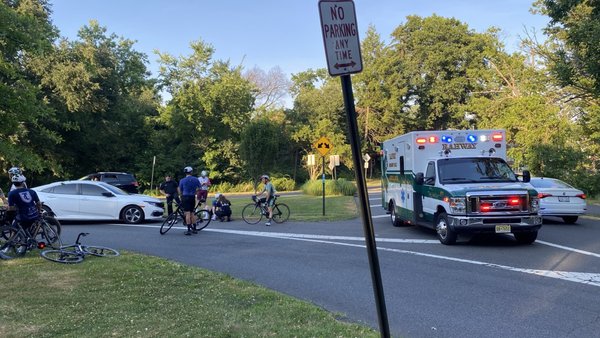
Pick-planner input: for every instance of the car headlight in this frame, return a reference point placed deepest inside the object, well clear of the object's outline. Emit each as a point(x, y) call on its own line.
point(535, 204)
point(156, 204)
point(457, 205)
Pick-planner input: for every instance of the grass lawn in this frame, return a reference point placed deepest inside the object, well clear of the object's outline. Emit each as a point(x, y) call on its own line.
point(135, 295)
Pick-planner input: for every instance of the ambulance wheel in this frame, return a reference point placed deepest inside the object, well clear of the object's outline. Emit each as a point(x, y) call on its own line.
point(396, 221)
point(446, 235)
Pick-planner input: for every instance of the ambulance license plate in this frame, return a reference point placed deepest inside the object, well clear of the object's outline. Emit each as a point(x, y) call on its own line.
point(502, 229)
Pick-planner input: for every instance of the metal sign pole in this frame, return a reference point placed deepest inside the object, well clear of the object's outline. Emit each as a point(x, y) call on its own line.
point(323, 179)
point(364, 205)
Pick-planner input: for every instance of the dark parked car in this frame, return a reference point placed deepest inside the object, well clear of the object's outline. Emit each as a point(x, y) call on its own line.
point(125, 181)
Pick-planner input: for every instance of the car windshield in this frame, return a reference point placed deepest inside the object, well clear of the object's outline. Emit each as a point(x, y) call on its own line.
point(113, 189)
point(474, 170)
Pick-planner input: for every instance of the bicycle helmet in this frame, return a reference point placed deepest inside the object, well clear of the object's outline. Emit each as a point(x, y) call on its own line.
point(18, 178)
point(217, 195)
point(264, 176)
point(14, 171)
point(188, 170)
point(203, 173)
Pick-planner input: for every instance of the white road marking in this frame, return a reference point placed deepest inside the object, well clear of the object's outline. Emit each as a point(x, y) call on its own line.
point(577, 277)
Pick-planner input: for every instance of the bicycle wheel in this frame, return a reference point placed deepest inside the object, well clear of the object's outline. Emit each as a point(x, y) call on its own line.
point(168, 223)
point(100, 251)
point(204, 219)
point(281, 213)
point(252, 213)
point(62, 256)
point(50, 235)
point(53, 223)
point(14, 242)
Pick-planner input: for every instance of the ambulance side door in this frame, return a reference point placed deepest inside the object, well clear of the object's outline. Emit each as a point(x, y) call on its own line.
point(429, 203)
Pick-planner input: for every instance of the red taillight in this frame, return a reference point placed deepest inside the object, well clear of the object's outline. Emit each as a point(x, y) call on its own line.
point(497, 137)
point(514, 201)
point(485, 207)
point(582, 196)
point(421, 140)
point(41, 245)
point(543, 195)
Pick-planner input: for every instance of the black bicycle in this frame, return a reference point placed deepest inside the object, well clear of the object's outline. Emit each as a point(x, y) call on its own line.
point(75, 253)
point(203, 217)
point(255, 211)
point(16, 240)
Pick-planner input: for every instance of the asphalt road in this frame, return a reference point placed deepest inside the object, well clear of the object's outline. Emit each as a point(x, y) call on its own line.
point(485, 286)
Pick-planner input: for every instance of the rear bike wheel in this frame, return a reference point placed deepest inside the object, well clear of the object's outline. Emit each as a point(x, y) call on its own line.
point(203, 219)
point(53, 223)
point(50, 235)
point(62, 256)
point(100, 251)
point(168, 223)
point(281, 213)
point(252, 213)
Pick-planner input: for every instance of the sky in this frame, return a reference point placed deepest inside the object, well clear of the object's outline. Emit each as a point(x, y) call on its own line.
point(273, 33)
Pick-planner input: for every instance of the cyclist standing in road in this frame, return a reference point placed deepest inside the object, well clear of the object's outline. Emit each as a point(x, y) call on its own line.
point(25, 201)
point(188, 187)
point(269, 199)
point(169, 189)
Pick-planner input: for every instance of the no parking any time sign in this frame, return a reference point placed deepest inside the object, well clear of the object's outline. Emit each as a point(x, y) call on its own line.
point(340, 36)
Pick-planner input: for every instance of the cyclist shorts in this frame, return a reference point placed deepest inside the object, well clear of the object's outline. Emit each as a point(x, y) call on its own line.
point(188, 202)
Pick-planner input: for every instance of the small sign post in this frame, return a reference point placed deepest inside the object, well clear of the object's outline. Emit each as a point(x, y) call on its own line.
point(323, 146)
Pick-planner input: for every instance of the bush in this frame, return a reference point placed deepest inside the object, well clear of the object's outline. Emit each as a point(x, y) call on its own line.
point(337, 187)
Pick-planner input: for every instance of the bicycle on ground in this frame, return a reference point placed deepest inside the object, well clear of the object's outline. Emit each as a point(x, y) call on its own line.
point(203, 217)
point(16, 240)
point(75, 253)
point(255, 211)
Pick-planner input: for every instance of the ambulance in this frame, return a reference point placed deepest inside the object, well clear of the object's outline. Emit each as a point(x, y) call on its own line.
point(457, 182)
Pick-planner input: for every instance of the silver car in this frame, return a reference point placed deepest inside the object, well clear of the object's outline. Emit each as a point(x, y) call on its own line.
point(91, 200)
point(559, 199)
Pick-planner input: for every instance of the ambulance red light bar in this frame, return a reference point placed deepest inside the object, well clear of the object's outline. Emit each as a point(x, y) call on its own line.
point(421, 140)
point(485, 207)
point(433, 139)
point(497, 137)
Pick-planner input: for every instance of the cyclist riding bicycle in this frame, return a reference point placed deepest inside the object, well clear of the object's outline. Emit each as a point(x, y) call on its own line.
point(269, 199)
point(24, 201)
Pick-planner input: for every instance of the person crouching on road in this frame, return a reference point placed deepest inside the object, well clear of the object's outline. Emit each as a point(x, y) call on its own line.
point(221, 208)
point(188, 187)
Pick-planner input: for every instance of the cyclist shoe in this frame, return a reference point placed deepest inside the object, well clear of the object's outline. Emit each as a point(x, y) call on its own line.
point(268, 223)
point(193, 229)
point(188, 233)
point(214, 217)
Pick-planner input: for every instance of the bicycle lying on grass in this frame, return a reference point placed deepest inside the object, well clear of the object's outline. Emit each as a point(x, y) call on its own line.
point(75, 253)
point(16, 240)
point(202, 216)
point(254, 212)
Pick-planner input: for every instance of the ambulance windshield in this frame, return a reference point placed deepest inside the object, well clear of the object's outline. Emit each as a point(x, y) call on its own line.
point(474, 170)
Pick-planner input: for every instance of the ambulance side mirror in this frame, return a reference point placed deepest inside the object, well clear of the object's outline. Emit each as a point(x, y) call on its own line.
point(419, 179)
point(526, 176)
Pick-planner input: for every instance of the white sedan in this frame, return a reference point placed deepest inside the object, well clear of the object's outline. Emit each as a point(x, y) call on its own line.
point(559, 199)
point(90, 200)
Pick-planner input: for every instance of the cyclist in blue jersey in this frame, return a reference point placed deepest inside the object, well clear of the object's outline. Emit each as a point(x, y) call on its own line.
point(188, 187)
point(25, 201)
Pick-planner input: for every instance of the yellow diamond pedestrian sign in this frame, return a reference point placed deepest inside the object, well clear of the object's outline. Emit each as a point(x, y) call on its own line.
point(323, 146)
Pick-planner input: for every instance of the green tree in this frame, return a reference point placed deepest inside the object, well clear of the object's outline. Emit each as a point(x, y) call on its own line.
point(201, 124)
point(100, 89)
point(26, 35)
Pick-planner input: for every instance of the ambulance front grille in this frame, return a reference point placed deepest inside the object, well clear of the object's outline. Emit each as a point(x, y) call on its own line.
point(497, 204)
